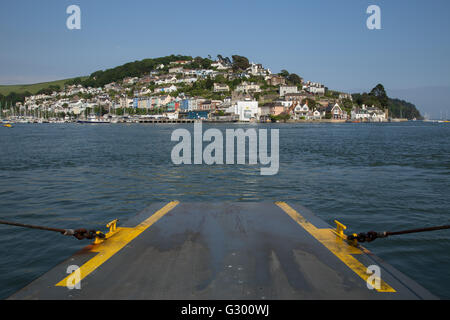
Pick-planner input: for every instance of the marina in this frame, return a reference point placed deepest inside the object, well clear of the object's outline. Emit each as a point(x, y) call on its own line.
point(144, 119)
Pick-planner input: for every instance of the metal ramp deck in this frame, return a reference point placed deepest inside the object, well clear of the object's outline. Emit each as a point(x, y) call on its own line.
point(222, 251)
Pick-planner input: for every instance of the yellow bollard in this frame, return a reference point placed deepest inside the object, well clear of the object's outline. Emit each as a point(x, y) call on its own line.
point(112, 229)
point(112, 226)
point(340, 229)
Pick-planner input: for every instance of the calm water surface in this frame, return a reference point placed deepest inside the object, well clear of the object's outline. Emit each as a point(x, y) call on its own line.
point(369, 176)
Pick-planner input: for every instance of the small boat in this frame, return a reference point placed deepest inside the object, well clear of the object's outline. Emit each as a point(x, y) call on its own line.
point(8, 125)
point(93, 119)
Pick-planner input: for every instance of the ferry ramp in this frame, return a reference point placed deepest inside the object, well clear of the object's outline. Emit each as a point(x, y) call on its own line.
point(226, 251)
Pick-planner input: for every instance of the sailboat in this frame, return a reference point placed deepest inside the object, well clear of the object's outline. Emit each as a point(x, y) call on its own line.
point(92, 118)
point(6, 123)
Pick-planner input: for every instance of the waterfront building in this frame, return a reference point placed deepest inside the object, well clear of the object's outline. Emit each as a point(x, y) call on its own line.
point(173, 106)
point(302, 111)
point(336, 112)
point(371, 114)
point(247, 110)
point(195, 114)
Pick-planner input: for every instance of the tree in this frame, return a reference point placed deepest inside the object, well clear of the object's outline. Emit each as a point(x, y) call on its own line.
point(347, 105)
point(206, 63)
point(240, 63)
point(294, 79)
point(311, 103)
point(220, 79)
point(380, 94)
point(131, 69)
point(378, 98)
point(284, 73)
point(284, 116)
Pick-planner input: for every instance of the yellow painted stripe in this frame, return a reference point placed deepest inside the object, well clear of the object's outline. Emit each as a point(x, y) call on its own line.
point(335, 244)
point(113, 244)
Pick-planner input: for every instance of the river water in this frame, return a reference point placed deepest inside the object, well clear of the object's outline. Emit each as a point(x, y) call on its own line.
point(379, 177)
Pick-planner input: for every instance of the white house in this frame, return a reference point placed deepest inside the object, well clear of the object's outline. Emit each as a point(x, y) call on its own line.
point(316, 115)
point(248, 87)
point(288, 89)
point(246, 110)
point(176, 70)
point(219, 65)
point(314, 87)
point(187, 80)
point(218, 87)
point(336, 112)
point(371, 114)
point(166, 80)
point(170, 89)
point(301, 111)
point(256, 69)
point(317, 90)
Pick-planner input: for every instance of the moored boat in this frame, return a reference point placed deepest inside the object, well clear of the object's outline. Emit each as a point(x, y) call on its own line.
point(94, 119)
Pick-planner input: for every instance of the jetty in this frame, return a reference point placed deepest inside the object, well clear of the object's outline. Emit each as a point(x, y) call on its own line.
point(244, 250)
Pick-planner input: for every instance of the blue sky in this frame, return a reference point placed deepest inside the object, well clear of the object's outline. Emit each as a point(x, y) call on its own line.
point(325, 41)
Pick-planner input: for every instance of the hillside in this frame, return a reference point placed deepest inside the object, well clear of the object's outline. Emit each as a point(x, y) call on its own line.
point(378, 98)
point(31, 88)
point(131, 69)
point(204, 86)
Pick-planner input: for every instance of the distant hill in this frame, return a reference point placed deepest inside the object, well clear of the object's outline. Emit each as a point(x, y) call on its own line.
point(32, 88)
point(15, 93)
point(133, 69)
point(433, 102)
point(378, 98)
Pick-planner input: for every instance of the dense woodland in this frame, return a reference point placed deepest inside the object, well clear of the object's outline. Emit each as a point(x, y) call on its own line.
point(378, 97)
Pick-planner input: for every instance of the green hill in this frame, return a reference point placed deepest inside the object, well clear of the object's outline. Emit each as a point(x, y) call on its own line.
point(32, 88)
point(10, 94)
point(397, 108)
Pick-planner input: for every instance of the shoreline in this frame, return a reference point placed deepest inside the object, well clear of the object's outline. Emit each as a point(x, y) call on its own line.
point(187, 121)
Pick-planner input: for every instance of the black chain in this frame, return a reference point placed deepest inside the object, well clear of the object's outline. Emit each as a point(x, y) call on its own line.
point(81, 234)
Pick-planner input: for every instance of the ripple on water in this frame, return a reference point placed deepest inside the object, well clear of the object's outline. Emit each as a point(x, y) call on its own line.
point(370, 177)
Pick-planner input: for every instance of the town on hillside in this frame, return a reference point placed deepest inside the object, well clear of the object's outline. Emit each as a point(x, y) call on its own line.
point(216, 90)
